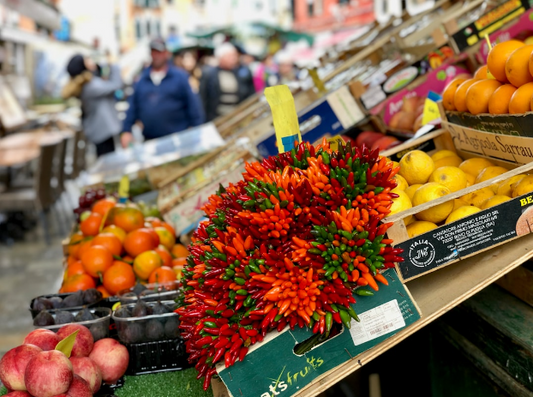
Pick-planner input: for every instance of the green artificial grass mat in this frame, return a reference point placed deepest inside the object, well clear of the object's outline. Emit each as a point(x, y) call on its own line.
point(164, 384)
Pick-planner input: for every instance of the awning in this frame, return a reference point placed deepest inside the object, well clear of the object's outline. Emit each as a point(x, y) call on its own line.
point(42, 13)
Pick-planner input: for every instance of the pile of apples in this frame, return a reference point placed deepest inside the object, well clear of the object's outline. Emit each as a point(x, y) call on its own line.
point(37, 369)
point(376, 140)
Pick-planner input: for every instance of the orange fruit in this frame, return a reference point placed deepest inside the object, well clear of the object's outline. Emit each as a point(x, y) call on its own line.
point(104, 205)
point(169, 228)
point(179, 262)
point(85, 245)
point(459, 98)
point(498, 57)
point(162, 275)
point(128, 219)
point(71, 260)
point(165, 237)
point(119, 277)
point(154, 235)
point(145, 263)
point(139, 241)
point(74, 244)
point(105, 293)
point(481, 72)
point(96, 260)
point(521, 99)
point(154, 221)
point(517, 66)
point(127, 259)
point(110, 241)
point(449, 93)
point(162, 251)
point(499, 101)
point(179, 251)
point(120, 233)
point(75, 268)
point(478, 95)
point(91, 225)
point(78, 282)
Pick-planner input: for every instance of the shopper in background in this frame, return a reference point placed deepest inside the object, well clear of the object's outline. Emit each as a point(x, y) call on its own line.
point(266, 74)
point(163, 100)
point(97, 95)
point(223, 87)
point(287, 71)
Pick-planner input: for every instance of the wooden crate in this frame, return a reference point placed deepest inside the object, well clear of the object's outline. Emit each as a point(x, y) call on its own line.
point(519, 282)
point(465, 237)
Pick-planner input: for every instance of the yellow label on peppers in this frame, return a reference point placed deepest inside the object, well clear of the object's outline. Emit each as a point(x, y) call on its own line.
point(284, 116)
point(334, 142)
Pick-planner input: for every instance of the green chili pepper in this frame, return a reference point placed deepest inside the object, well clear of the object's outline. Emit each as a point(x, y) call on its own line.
point(346, 319)
point(210, 324)
point(364, 292)
point(242, 292)
point(329, 321)
point(240, 281)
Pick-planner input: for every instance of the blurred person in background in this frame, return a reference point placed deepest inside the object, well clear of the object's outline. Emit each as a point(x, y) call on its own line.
point(287, 71)
point(266, 74)
point(188, 61)
point(223, 87)
point(163, 100)
point(97, 95)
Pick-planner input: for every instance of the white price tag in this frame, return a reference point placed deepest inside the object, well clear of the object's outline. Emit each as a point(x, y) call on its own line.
point(373, 96)
point(376, 322)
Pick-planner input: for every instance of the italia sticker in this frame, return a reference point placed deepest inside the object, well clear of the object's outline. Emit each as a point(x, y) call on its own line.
point(421, 253)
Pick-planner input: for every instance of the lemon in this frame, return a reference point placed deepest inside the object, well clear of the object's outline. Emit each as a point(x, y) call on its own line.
point(401, 183)
point(476, 198)
point(505, 188)
point(420, 227)
point(475, 165)
point(494, 200)
point(412, 189)
point(416, 167)
point(459, 203)
point(452, 161)
point(470, 179)
point(461, 212)
point(451, 177)
point(489, 173)
point(524, 186)
point(432, 191)
point(401, 203)
point(442, 154)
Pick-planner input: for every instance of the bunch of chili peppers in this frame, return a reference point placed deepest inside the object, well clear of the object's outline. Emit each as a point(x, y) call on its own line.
point(286, 246)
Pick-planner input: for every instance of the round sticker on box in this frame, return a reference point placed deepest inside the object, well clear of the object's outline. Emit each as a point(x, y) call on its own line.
point(421, 253)
point(400, 79)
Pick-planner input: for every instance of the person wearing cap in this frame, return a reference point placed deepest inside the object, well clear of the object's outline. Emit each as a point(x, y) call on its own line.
point(223, 87)
point(100, 119)
point(163, 100)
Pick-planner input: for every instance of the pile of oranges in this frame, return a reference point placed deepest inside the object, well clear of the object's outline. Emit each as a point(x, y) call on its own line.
point(116, 247)
point(503, 86)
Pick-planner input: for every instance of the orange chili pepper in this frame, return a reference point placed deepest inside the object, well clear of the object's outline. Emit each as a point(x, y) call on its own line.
point(381, 279)
point(371, 282)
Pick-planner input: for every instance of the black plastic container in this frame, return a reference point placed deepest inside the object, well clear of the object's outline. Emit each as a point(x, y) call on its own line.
point(34, 313)
point(153, 357)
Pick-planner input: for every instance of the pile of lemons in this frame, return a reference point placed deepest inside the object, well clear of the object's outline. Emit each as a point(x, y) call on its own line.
point(423, 178)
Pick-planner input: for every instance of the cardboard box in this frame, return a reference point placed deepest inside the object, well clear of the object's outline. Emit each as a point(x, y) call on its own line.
point(272, 367)
point(465, 237)
point(435, 81)
point(332, 115)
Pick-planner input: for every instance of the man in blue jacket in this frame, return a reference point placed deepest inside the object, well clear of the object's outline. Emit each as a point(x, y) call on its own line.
point(163, 100)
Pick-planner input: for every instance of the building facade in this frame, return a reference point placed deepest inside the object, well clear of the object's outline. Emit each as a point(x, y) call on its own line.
point(322, 15)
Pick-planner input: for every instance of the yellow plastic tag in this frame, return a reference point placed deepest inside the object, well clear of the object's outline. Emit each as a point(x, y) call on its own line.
point(284, 116)
point(115, 306)
point(124, 189)
point(489, 74)
point(334, 142)
point(431, 111)
point(319, 84)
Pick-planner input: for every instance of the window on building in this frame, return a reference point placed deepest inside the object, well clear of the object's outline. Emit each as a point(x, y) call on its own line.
point(148, 29)
point(259, 5)
point(310, 7)
point(157, 28)
point(344, 1)
point(293, 11)
point(138, 32)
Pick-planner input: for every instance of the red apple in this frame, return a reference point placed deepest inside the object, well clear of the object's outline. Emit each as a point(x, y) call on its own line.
point(79, 388)
point(43, 338)
point(111, 357)
point(410, 104)
point(13, 366)
point(48, 374)
point(84, 339)
point(88, 370)
point(18, 393)
point(384, 143)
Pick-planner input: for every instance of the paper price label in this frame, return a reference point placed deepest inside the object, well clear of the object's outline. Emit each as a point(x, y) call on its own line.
point(334, 142)
point(284, 116)
point(431, 109)
point(376, 322)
